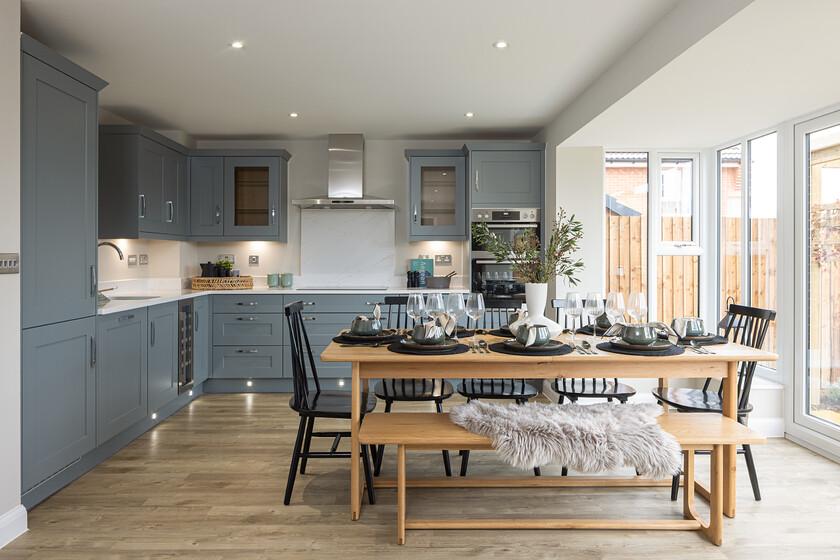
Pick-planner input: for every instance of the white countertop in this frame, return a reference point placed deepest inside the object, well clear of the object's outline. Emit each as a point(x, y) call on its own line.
point(156, 295)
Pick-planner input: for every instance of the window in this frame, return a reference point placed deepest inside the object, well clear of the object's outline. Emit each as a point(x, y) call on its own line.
point(673, 256)
point(748, 225)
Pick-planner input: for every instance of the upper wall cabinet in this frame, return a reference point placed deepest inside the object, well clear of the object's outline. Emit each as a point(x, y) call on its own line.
point(58, 187)
point(437, 195)
point(207, 183)
point(142, 184)
point(506, 174)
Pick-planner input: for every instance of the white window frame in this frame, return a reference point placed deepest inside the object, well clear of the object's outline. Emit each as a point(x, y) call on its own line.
point(656, 247)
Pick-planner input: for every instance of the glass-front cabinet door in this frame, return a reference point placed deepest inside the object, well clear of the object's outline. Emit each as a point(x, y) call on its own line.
point(252, 196)
point(438, 198)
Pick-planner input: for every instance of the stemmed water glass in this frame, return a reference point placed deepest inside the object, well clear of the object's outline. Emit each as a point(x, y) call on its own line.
point(637, 308)
point(475, 311)
point(455, 307)
point(574, 309)
point(415, 308)
point(434, 306)
point(615, 307)
point(593, 308)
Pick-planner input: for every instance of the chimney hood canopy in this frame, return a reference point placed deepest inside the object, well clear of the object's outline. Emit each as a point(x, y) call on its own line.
point(345, 183)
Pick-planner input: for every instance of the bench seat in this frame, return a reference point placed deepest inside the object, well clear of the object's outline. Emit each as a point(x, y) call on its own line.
point(432, 431)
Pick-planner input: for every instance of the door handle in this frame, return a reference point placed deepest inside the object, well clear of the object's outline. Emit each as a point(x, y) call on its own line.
point(273, 215)
point(92, 351)
point(152, 334)
point(171, 209)
point(195, 321)
point(309, 318)
point(142, 205)
point(247, 303)
point(308, 303)
point(218, 214)
point(476, 180)
point(248, 351)
point(93, 281)
point(415, 213)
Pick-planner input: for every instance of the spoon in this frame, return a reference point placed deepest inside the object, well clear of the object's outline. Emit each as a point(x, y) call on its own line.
point(587, 347)
point(697, 348)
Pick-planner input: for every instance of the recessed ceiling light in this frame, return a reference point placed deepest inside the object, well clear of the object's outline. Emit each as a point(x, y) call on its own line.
point(500, 44)
point(469, 114)
point(237, 44)
point(293, 115)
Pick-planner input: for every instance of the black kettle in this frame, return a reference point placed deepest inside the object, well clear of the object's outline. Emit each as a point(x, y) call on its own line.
point(208, 270)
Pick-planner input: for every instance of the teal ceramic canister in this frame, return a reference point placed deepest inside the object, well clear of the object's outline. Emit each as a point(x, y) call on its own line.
point(287, 279)
point(273, 280)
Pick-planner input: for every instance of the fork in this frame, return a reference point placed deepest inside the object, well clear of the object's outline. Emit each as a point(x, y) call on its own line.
point(483, 346)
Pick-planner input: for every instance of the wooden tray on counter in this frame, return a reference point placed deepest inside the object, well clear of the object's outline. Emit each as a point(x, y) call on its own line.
point(226, 283)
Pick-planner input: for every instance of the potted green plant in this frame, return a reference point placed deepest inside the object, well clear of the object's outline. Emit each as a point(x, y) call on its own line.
point(224, 267)
point(536, 266)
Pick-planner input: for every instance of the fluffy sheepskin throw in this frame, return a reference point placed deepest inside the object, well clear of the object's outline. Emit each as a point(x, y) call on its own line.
point(586, 438)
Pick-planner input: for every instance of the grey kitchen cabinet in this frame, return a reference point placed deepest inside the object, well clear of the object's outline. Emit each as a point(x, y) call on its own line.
point(58, 397)
point(202, 337)
point(437, 195)
point(253, 329)
point(163, 355)
point(207, 183)
point(254, 202)
point(245, 303)
point(248, 362)
point(506, 177)
point(58, 187)
point(143, 188)
point(121, 378)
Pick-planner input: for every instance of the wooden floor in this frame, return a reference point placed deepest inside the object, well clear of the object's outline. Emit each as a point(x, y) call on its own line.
point(208, 484)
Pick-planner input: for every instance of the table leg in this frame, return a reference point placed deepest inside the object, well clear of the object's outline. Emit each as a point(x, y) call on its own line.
point(355, 459)
point(401, 494)
point(730, 409)
point(663, 385)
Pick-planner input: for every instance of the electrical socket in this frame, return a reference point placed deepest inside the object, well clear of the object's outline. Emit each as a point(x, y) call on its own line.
point(253, 260)
point(231, 258)
point(443, 260)
point(132, 260)
point(143, 260)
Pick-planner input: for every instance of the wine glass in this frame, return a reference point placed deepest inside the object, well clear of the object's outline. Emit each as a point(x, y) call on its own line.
point(574, 309)
point(615, 307)
point(455, 307)
point(434, 306)
point(415, 308)
point(637, 308)
point(475, 311)
point(593, 308)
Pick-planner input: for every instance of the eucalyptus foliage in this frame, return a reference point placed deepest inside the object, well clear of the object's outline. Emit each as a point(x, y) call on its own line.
point(530, 263)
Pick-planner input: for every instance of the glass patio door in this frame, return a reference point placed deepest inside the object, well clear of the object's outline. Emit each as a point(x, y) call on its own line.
point(817, 367)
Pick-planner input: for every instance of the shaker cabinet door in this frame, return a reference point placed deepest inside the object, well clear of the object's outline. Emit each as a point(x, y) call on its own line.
point(506, 178)
point(438, 198)
point(58, 195)
point(252, 197)
point(207, 180)
point(163, 355)
point(58, 398)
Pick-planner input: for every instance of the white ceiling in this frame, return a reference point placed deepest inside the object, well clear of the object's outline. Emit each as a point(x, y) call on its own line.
point(387, 68)
point(773, 61)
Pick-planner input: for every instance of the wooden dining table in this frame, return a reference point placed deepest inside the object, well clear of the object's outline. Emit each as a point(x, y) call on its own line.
point(379, 362)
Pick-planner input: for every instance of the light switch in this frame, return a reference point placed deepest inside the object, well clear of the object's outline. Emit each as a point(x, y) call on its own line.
point(9, 263)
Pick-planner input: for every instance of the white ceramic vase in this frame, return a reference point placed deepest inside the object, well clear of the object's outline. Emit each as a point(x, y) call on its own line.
point(536, 296)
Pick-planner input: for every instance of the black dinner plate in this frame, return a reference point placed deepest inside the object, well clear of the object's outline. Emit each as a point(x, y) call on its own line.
point(386, 334)
point(447, 345)
point(657, 346)
point(519, 347)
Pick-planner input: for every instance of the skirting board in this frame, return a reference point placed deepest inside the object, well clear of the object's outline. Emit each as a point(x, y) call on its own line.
point(12, 524)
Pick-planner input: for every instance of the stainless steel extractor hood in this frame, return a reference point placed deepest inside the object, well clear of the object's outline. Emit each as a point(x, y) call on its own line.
point(345, 182)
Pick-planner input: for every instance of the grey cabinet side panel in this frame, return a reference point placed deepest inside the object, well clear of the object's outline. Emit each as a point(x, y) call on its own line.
point(202, 325)
point(121, 383)
point(163, 354)
point(58, 398)
point(58, 195)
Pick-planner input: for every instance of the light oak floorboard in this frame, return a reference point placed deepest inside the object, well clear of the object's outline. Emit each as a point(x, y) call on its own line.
point(208, 483)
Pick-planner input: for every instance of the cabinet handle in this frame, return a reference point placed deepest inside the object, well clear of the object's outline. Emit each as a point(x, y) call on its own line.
point(93, 281)
point(125, 318)
point(415, 213)
point(195, 321)
point(374, 303)
point(171, 209)
point(246, 318)
point(308, 303)
point(142, 205)
point(476, 180)
point(309, 318)
point(152, 334)
point(273, 215)
point(92, 351)
point(248, 351)
point(247, 303)
point(218, 214)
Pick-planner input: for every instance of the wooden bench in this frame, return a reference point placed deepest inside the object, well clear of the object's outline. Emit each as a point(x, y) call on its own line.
point(431, 431)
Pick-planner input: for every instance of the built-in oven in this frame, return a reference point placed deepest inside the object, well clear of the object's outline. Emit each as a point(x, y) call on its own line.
point(185, 345)
point(497, 279)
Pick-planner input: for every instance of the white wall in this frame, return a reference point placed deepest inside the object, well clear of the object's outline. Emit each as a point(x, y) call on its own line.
point(12, 514)
point(386, 176)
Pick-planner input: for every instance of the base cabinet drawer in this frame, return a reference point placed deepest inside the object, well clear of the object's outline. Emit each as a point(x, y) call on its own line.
point(58, 398)
point(337, 303)
point(245, 303)
point(248, 329)
point(245, 362)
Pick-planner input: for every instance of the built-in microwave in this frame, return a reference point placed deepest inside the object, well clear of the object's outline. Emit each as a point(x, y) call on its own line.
point(492, 278)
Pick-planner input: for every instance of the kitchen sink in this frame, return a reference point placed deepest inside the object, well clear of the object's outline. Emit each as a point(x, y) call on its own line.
point(131, 298)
